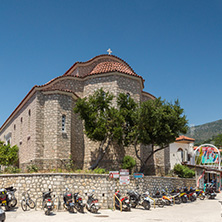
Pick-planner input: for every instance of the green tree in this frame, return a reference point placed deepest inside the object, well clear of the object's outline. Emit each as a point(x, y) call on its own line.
point(158, 123)
point(218, 140)
point(103, 122)
point(8, 154)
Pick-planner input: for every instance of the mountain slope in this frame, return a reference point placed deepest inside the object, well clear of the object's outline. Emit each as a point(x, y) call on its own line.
point(205, 131)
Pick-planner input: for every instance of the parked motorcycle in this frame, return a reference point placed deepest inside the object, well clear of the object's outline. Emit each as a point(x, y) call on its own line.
point(124, 201)
point(48, 204)
point(92, 204)
point(4, 201)
point(2, 215)
point(183, 196)
point(68, 203)
point(210, 193)
point(78, 203)
point(200, 194)
point(160, 202)
point(191, 194)
point(11, 196)
point(137, 199)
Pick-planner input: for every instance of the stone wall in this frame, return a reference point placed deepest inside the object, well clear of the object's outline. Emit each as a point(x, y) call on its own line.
point(84, 183)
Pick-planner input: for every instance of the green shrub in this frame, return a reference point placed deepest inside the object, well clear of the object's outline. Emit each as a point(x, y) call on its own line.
point(183, 171)
point(128, 163)
point(100, 171)
point(32, 168)
point(11, 169)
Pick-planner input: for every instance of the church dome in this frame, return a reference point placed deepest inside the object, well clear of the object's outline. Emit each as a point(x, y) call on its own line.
point(111, 66)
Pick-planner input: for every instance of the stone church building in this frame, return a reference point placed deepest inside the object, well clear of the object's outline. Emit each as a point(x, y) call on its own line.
point(48, 132)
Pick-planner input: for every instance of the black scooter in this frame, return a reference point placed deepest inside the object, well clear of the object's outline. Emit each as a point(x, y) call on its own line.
point(78, 203)
point(209, 192)
point(68, 203)
point(48, 204)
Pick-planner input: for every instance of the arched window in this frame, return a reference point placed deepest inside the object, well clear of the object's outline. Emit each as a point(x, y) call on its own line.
point(180, 154)
point(63, 123)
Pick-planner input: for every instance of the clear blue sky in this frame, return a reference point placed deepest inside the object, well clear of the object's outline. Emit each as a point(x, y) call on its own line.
point(176, 45)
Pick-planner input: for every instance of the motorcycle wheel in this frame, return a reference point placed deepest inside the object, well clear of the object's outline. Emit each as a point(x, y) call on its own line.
point(47, 212)
point(94, 209)
point(31, 204)
point(81, 210)
point(13, 202)
point(64, 206)
point(133, 204)
point(184, 199)
point(202, 197)
point(209, 196)
point(71, 210)
point(128, 208)
point(160, 203)
point(24, 205)
point(177, 200)
point(168, 202)
point(146, 205)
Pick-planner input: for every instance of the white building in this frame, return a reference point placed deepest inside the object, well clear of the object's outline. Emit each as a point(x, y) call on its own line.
point(181, 151)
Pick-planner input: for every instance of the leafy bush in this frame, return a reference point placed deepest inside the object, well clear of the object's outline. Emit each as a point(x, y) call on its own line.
point(32, 168)
point(128, 163)
point(11, 169)
point(183, 171)
point(100, 171)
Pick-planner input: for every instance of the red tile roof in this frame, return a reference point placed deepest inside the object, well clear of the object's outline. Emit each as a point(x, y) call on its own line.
point(182, 137)
point(103, 64)
point(105, 67)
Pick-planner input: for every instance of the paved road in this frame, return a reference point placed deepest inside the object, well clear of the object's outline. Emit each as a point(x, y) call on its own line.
point(198, 211)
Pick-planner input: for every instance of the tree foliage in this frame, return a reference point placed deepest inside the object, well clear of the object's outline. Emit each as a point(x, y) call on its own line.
point(158, 123)
point(154, 122)
point(102, 121)
point(8, 154)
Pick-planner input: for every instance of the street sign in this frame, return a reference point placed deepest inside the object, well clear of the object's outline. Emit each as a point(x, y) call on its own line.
point(124, 172)
point(114, 174)
point(138, 175)
point(124, 180)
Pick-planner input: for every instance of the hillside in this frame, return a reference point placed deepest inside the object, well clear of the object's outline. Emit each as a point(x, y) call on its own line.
point(205, 131)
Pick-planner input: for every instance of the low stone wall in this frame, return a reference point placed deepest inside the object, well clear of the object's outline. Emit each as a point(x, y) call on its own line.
point(84, 183)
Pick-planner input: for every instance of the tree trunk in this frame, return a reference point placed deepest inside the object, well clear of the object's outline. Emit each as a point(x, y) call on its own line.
point(136, 151)
point(102, 153)
point(142, 168)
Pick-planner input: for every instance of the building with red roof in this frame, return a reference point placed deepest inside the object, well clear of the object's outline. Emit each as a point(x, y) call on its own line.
point(47, 131)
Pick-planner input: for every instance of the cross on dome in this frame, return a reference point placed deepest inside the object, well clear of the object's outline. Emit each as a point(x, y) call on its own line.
point(109, 51)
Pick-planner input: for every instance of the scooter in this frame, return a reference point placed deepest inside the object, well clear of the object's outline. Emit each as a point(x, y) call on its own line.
point(210, 191)
point(200, 194)
point(191, 194)
point(2, 215)
point(11, 196)
point(4, 201)
point(92, 204)
point(68, 203)
point(124, 201)
point(48, 203)
point(78, 203)
point(137, 199)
